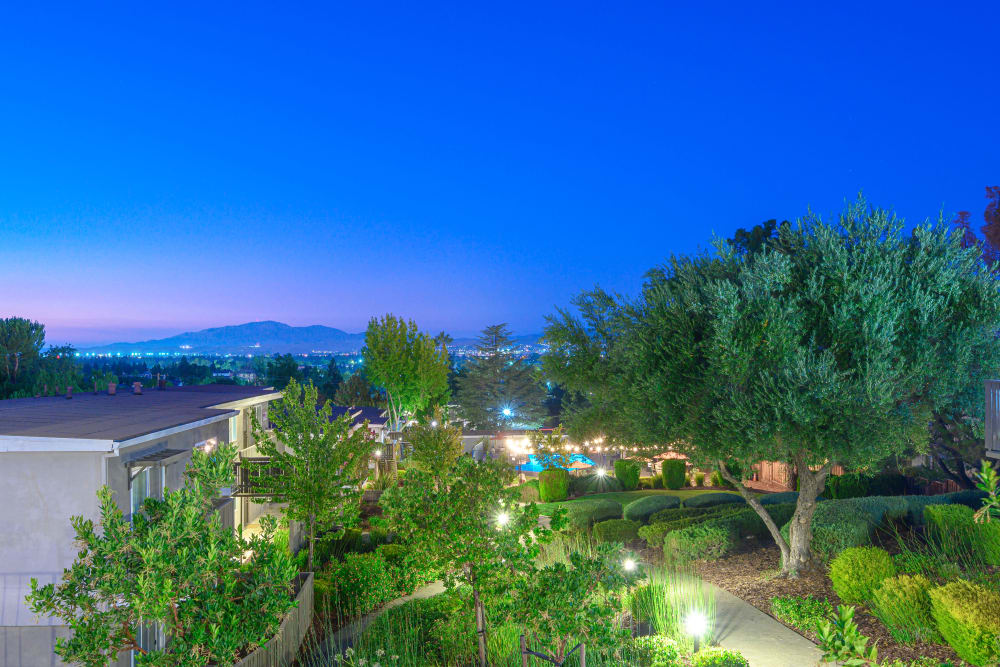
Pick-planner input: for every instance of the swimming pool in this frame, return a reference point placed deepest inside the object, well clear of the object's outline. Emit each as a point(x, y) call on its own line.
point(534, 466)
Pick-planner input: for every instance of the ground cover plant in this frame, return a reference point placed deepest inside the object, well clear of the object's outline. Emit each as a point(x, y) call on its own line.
point(802, 612)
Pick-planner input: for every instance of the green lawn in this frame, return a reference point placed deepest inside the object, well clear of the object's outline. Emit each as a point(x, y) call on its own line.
point(625, 497)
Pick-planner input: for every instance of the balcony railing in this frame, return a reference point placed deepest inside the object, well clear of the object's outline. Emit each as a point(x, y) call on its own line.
point(993, 418)
point(254, 476)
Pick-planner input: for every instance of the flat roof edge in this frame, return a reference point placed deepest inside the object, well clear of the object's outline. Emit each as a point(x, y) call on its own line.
point(28, 443)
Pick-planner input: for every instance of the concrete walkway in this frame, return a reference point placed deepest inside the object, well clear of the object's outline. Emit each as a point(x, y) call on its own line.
point(738, 626)
point(762, 640)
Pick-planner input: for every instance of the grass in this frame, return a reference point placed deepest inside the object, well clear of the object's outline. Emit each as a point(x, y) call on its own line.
point(625, 497)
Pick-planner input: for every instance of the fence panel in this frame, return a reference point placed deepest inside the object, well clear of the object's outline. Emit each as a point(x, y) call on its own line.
point(284, 646)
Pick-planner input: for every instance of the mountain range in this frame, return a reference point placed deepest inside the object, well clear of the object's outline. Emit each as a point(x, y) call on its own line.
point(266, 337)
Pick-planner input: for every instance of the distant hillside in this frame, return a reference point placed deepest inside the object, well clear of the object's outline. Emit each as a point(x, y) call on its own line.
point(251, 338)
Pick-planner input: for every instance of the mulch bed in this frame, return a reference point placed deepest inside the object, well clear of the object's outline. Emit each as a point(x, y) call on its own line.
point(749, 574)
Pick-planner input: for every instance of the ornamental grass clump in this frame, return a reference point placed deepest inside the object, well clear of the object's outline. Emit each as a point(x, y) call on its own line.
point(858, 571)
point(968, 617)
point(902, 603)
point(667, 598)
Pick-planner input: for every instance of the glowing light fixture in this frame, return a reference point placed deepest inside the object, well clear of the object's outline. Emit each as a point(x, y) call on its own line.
point(507, 412)
point(378, 453)
point(696, 625)
point(434, 424)
point(502, 519)
point(601, 472)
point(628, 565)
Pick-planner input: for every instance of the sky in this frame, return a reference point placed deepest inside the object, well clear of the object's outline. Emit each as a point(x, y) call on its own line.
point(173, 167)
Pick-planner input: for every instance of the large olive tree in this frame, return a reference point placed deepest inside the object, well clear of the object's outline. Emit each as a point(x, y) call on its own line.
point(834, 346)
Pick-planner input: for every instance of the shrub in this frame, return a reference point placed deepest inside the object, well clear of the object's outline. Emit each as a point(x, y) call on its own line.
point(672, 514)
point(950, 526)
point(673, 473)
point(902, 604)
point(887, 484)
point(848, 485)
point(987, 542)
point(328, 550)
point(804, 613)
point(715, 656)
point(702, 541)
point(699, 478)
point(745, 521)
point(580, 485)
point(658, 482)
point(783, 497)
point(858, 571)
point(717, 481)
point(553, 485)
point(646, 483)
point(529, 491)
point(582, 514)
point(643, 508)
point(627, 472)
point(616, 530)
point(839, 524)
point(968, 617)
point(360, 583)
point(656, 651)
point(713, 499)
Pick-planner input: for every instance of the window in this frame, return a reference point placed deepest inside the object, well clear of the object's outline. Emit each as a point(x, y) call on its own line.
point(139, 489)
point(232, 429)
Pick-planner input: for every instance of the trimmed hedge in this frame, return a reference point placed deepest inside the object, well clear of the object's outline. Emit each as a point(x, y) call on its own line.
point(745, 521)
point(643, 508)
point(672, 514)
point(656, 650)
point(783, 497)
point(616, 530)
point(673, 473)
point(703, 541)
point(714, 499)
point(553, 485)
point(627, 472)
point(839, 524)
point(857, 571)
point(968, 617)
point(915, 504)
point(902, 603)
point(582, 514)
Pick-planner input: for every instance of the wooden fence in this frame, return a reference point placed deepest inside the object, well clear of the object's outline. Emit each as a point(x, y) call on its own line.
point(284, 646)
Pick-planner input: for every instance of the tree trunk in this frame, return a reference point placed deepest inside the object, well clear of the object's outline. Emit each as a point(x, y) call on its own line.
point(751, 499)
point(958, 475)
point(480, 622)
point(312, 540)
point(800, 554)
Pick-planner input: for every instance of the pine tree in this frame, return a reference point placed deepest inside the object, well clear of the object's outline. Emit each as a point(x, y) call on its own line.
point(498, 390)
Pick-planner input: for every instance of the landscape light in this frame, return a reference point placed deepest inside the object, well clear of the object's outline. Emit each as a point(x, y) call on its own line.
point(434, 423)
point(629, 565)
point(502, 519)
point(696, 624)
point(378, 453)
point(601, 472)
point(507, 412)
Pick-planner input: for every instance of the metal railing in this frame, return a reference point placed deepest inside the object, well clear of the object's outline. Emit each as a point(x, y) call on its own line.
point(993, 418)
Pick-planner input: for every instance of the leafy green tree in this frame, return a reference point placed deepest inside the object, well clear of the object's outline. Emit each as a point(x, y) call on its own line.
point(552, 450)
point(21, 342)
point(497, 389)
point(57, 369)
point(332, 379)
point(434, 447)
point(836, 352)
point(576, 601)
point(214, 593)
point(470, 527)
point(357, 392)
point(281, 370)
point(317, 463)
point(406, 365)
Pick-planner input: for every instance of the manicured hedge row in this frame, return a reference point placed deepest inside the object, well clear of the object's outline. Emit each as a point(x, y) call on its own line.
point(968, 617)
point(713, 499)
point(582, 514)
point(584, 484)
point(529, 491)
point(672, 514)
point(616, 530)
point(703, 541)
point(643, 508)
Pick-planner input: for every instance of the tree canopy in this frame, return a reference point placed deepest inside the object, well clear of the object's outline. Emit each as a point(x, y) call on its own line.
point(834, 345)
point(406, 365)
point(498, 390)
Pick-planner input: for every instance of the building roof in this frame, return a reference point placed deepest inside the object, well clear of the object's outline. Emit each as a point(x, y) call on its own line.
point(122, 416)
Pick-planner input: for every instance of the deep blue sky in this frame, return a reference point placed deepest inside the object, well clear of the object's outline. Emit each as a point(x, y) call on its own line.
point(170, 169)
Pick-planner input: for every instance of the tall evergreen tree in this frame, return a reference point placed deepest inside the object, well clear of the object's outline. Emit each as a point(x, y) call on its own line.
point(498, 390)
point(332, 379)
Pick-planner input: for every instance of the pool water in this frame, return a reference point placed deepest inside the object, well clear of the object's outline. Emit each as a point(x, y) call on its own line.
point(534, 466)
